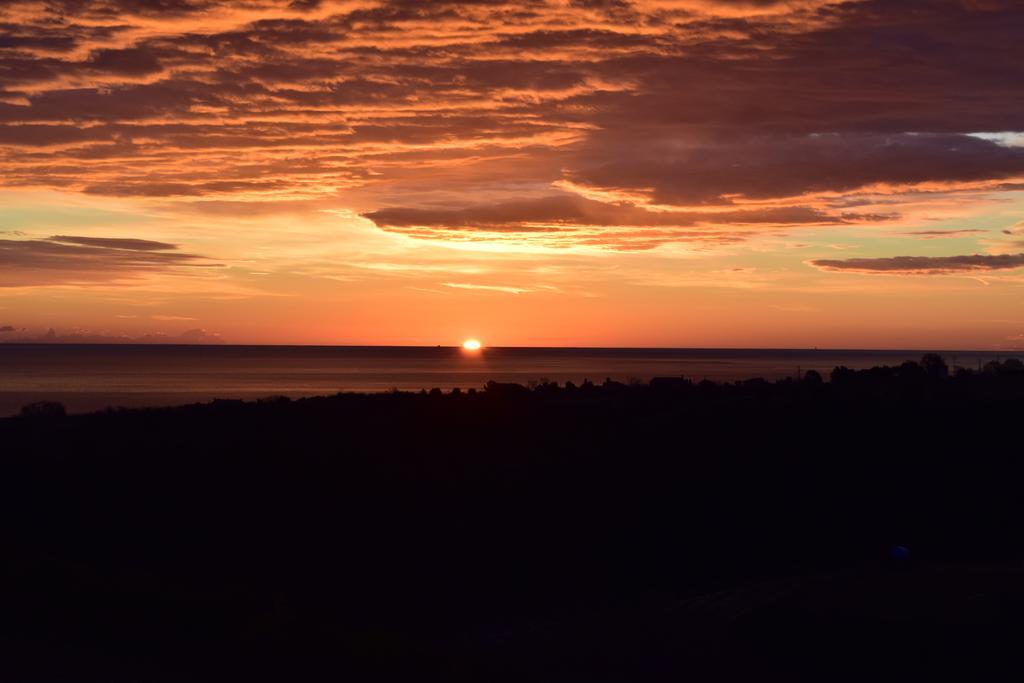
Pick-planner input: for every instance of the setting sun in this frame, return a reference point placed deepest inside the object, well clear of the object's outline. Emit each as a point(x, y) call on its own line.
point(471, 345)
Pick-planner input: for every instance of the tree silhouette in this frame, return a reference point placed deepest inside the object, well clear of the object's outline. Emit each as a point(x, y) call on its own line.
point(935, 365)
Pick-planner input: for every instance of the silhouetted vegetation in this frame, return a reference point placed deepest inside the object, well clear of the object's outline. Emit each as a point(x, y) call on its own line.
point(43, 409)
point(600, 532)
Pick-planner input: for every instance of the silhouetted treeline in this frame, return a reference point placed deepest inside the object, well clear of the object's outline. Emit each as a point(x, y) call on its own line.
point(617, 532)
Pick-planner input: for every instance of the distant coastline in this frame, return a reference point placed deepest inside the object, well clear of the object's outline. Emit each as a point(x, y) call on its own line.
point(89, 377)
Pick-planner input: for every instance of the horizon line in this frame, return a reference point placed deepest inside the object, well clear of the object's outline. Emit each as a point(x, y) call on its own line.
point(485, 348)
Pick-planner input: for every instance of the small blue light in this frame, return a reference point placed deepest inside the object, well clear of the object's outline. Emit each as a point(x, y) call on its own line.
point(900, 553)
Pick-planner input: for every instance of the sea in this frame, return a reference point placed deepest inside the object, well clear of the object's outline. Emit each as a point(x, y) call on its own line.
point(94, 377)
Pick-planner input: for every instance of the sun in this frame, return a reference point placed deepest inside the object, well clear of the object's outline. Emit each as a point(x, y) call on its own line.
point(472, 345)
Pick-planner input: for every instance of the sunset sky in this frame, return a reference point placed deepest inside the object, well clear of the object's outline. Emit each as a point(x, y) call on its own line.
point(714, 173)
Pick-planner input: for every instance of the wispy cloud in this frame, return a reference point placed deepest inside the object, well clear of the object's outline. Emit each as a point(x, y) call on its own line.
point(487, 288)
point(943, 234)
point(76, 260)
point(923, 265)
point(78, 336)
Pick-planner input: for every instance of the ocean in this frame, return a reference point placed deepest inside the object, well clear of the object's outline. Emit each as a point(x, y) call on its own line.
point(92, 377)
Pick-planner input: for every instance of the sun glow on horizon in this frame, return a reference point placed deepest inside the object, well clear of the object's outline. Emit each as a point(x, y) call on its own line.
point(472, 345)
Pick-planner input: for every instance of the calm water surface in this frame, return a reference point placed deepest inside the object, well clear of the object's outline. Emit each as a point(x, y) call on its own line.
point(92, 377)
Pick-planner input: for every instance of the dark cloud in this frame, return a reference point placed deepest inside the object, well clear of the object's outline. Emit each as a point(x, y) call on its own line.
point(114, 8)
point(43, 135)
point(10, 39)
point(7, 328)
point(129, 61)
point(882, 66)
point(74, 260)
point(923, 265)
point(788, 166)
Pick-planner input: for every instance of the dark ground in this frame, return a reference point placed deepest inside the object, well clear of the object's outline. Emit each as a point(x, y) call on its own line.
point(595, 533)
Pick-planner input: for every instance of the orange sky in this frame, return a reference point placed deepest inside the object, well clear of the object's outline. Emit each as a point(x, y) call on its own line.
point(550, 172)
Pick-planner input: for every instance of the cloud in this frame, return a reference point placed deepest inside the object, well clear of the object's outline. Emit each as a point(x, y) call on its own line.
point(7, 328)
point(942, 234)
point(81, 260)
point(566, 219)
point(487, 288)
point(791, 166)
point(1008, 241)
point(127, 61)
point(195, 336)
point(922, 265)
point(565, 209)
point(114, 243)
point(1015, 230)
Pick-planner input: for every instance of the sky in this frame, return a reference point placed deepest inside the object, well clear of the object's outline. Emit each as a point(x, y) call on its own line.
point(668, 173)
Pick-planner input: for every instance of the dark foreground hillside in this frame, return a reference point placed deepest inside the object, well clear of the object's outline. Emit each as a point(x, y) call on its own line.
point(860, 527)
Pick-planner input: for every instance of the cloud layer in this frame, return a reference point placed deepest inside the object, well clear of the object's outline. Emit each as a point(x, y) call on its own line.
point(433, 110)
point(52, 336)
